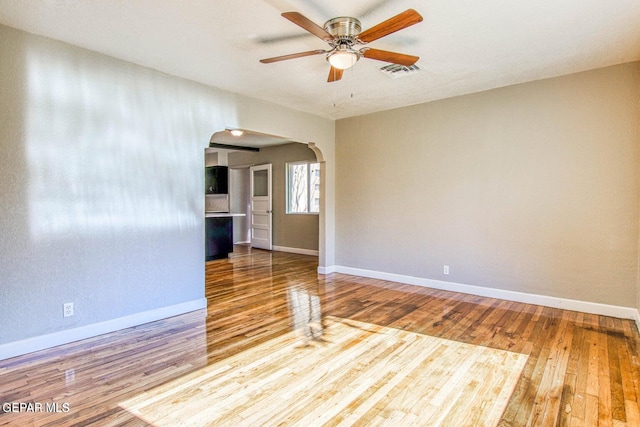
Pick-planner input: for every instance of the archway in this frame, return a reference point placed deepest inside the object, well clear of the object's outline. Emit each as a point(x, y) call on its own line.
point(247, 148)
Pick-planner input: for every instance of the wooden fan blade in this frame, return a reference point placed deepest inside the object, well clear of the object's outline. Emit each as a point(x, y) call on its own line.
point(307, 24)
point(335, 74)
point(393, 57)
point(391, 25)
point(292, 56)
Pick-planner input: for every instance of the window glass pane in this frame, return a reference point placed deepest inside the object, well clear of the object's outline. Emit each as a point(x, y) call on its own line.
point(303, 188)
point(314, 187)
point(298, 186)
point(260, 183)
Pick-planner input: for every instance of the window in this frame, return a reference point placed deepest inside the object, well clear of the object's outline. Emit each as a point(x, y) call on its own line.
point(303, 188)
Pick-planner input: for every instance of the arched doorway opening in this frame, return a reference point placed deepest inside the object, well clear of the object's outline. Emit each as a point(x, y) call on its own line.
point(298, 232)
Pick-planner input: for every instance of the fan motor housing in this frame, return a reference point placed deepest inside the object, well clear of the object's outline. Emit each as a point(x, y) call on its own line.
point(343, 28)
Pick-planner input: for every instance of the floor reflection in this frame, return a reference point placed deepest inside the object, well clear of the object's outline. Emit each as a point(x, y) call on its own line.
point(306, 313)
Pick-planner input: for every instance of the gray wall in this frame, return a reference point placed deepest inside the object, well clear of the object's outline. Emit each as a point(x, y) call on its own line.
point(291, 231)
point(531, 188)
point(102, 182)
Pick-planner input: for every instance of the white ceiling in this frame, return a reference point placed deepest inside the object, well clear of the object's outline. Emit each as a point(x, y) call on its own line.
point(464, 46)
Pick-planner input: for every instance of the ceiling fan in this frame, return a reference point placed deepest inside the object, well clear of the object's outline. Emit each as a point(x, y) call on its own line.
point(343, 33)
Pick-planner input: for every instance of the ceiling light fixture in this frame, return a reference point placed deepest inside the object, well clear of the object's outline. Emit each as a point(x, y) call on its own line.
point(236, 132)
point(343, 57)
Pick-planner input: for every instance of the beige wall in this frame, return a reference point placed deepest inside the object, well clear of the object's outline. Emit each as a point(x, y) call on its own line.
point(290, 231)
point(531, 188)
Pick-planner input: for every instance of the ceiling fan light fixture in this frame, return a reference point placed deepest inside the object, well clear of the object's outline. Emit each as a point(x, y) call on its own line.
point(343, 33)
point(343, 58)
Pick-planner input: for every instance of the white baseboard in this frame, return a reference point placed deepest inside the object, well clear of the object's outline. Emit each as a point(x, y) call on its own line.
point(544, 300)
point(295, 250)
point(327, 270)
point(29, 345)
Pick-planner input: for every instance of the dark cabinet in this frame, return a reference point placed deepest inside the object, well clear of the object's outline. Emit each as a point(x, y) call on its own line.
point(218, 237)
point(216, 180)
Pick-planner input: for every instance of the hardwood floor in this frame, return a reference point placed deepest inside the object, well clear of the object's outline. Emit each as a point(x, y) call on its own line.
point(576, 369)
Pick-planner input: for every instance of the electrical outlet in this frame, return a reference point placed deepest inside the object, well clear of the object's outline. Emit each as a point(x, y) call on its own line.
point(445, 269)
point(67, 309)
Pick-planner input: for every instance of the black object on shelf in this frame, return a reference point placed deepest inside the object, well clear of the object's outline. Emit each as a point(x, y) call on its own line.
point(216, 180)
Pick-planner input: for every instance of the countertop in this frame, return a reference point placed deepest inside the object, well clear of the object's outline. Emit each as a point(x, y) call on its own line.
point(222, 214)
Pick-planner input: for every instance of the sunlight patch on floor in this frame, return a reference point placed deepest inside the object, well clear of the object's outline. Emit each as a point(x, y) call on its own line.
point(356, 372)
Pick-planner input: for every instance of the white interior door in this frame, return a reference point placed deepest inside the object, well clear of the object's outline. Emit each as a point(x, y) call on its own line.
point(261, 205)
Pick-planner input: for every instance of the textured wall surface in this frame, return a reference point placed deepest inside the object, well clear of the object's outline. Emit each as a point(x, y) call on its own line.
point(531, 188)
